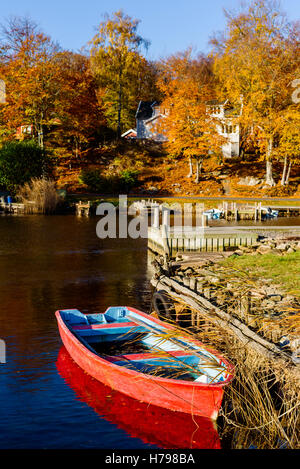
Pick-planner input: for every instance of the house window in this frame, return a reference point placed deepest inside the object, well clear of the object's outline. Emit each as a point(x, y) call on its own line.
point(228, 129)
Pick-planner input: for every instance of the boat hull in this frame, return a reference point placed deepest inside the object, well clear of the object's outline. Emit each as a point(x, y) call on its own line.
point(177, 395)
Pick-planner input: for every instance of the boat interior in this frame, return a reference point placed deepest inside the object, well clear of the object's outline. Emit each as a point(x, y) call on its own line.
point(125, 338)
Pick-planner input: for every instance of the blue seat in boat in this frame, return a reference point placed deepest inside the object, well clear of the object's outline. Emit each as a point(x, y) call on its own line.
point(116, 313)
point(74, 316)
point(97, 318)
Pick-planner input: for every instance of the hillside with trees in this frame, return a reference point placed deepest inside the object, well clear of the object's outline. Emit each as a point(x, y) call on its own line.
point(72, 109)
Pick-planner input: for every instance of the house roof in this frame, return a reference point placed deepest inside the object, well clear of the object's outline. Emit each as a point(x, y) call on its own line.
point(145, 109)
point(215, 102)
point(232, 112)
point(128, 132)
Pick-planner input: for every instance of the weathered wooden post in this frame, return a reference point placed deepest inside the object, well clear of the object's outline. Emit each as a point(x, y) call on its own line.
point(78, 210)
point(204, 220)
point(2, 351)
point(259, 211)
point(245, 307)
point(155, 217)
point(164, 235)
point(226, 210)
point(235, 211)
point(88, 209)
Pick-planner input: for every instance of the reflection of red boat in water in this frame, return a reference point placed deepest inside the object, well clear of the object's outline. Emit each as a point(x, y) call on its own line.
point(154, 425)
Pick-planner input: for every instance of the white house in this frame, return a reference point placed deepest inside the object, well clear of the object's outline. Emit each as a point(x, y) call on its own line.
point(149, 113)
point(147, 117)
point(227, 127)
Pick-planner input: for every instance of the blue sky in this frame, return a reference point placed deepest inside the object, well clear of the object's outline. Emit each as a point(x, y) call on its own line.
point(170, 25)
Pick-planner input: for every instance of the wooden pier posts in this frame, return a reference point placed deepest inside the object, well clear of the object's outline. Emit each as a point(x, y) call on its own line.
point(83, 209)
point(12, 208)
point(234, 212)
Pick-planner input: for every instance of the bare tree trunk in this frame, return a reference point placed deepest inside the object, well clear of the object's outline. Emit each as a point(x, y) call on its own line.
point(191, 167)
point(119, 108)
point(41, 137)
point(288, 174)
point(197, 171)
point(40, 129)
point(284, 171)
point(269, 170)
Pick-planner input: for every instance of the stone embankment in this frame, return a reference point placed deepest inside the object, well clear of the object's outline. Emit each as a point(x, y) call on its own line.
point(252, 307)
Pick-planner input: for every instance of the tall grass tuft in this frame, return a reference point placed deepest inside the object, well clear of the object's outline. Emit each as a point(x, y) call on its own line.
point(39, 196)
point(261, 405)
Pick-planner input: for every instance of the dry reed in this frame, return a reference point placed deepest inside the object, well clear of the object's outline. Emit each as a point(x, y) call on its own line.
point(39, 196)
point(261, 405)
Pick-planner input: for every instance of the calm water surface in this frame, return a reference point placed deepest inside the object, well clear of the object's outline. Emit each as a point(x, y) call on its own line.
point(56, 262)
point(47, 263)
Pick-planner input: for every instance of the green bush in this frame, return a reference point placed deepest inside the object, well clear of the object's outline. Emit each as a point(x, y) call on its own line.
point(20, 162)
point(109, 184)
point(128, 179)
point(92, 179)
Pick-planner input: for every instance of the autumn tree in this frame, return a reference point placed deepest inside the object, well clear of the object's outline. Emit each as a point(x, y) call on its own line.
point(76, 107)
point(119, 67)
point(255, 61)
point(288, 145)
point(30, 75)
point(191, 131)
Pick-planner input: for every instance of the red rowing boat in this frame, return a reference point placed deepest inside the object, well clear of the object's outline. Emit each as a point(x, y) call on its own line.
point(146, 359)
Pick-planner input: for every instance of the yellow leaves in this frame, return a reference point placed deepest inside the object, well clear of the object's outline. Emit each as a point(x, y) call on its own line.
point(118, 65)
point(258, 62)
point(187, 85)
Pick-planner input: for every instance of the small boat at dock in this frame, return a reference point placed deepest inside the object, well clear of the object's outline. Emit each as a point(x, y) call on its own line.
point(213, 214)
point(268, 212)
point(147, 359)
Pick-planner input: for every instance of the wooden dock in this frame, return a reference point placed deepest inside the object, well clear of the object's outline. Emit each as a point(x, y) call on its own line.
point(12, 208)
point(171, 240)
point(142, 206)
point(233, 211)
point(83, 209)
point(164, 239)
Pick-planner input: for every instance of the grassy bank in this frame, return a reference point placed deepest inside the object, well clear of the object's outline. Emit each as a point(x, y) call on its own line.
point(261, 405)
point(282, 270)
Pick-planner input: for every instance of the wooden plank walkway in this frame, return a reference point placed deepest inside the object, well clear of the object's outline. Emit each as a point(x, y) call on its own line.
point(173, 240)
point(164, 240)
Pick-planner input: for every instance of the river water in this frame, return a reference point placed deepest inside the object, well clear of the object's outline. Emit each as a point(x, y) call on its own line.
point(56, 262)
point(50, 263)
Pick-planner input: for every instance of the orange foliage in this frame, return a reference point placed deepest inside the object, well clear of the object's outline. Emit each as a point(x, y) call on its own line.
point(187, 85)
